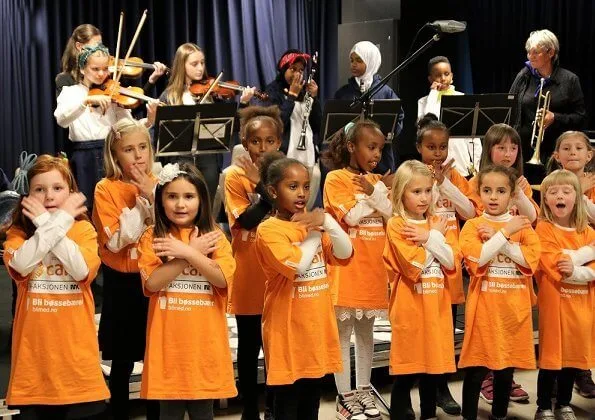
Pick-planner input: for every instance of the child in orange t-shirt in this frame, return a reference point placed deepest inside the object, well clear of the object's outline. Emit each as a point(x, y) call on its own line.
point(501, 254)
point(358, 200)
point(299, 327)
point(422, 257)
point(51, 254)
point(453, 200)
point(247, 205)
point(566, 280)
point(185, 264)
point(502, 146)
point(573, 152)
point(122, 211)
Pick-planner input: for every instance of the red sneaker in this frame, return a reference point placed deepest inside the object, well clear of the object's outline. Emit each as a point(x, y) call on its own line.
point(517, 393)
point(487, 388)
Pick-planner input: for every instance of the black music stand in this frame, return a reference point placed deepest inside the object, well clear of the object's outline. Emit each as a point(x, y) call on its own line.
point(338, 113)
point(190, 130)
point(473, 115)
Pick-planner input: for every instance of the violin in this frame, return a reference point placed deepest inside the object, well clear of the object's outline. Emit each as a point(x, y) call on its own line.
point(134, 66)
point(224, 90)
point(128, 98)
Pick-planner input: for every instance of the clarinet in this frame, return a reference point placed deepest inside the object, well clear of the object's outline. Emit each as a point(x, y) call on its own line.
point(308, 101)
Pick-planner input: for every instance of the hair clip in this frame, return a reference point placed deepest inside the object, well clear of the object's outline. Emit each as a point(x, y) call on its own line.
point(169, 172)
point(348, 126)
point(20, 183)
point(117, 134)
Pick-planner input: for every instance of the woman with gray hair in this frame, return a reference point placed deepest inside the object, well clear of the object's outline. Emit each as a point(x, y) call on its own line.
point(567, 106)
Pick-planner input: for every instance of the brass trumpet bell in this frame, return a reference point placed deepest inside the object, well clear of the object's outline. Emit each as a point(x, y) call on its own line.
point(543, 106)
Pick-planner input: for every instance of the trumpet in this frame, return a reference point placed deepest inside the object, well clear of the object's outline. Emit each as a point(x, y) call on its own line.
point(543, 106)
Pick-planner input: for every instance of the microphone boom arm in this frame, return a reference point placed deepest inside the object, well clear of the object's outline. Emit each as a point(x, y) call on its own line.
point(365, 98)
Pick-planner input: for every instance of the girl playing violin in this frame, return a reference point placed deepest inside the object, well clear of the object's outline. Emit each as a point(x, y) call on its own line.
point(89, 117)
point(83, 35)
point(189, 67)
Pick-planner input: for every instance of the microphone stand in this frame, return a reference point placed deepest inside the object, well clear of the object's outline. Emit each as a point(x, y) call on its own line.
point(365, 98)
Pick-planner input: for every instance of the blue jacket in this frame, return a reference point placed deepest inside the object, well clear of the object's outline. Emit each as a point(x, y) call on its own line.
point(350, 91)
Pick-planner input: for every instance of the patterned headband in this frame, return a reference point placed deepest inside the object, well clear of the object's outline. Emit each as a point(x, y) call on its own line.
point(88, 50)
point(291, 58)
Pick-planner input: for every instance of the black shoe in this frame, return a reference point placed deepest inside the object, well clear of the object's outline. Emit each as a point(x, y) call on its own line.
point(446, 402)
point(584, 384)
point(249, 415)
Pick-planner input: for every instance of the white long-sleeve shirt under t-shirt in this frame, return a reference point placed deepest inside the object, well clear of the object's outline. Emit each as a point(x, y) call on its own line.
point(48, 242)
point(368, 204)
point(84, 122)
point(132, 225)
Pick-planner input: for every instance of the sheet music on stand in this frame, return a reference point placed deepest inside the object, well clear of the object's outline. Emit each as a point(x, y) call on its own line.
point(338, 113)
point(190, 130)
point(472, 115)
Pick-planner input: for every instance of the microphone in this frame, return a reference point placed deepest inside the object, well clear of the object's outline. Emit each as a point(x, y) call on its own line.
point(448, 26)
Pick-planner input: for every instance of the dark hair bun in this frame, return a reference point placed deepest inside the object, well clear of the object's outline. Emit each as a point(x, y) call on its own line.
point(425, 120)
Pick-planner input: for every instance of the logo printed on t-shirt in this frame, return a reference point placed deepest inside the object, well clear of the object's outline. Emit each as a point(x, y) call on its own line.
point(317, 268)
point(568, 291)
point(190, 281)
point(51, 277)
point(248, 235)
point(375, 221)
point(447, 212)
point(430, 287)
point(503, 267)
point(433, 270)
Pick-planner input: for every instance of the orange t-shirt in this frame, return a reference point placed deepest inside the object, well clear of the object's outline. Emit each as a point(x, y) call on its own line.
point(591, 194)
point(420, 304)
point(187, 355)
point(498, 321)
point(111, 197)
point(566, 311)
point(445, 208)
point(363, 283)
point(479, 207)
point(55, 354)
point(299, 328)
point(246, 290)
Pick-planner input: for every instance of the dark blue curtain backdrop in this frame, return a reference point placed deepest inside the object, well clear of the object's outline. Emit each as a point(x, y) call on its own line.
point(243, 38)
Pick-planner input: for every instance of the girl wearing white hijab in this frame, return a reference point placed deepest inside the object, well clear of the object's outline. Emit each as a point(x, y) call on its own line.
point(365, 60)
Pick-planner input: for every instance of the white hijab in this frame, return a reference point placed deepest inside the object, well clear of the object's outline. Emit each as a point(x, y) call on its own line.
point(370, 54)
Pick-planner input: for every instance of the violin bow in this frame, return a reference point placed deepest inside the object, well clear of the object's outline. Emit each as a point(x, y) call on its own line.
point(118, 46)
point(136, 34)
point(213, 86)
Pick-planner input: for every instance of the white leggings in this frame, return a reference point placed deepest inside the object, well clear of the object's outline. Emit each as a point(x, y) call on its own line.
point(364, 351)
